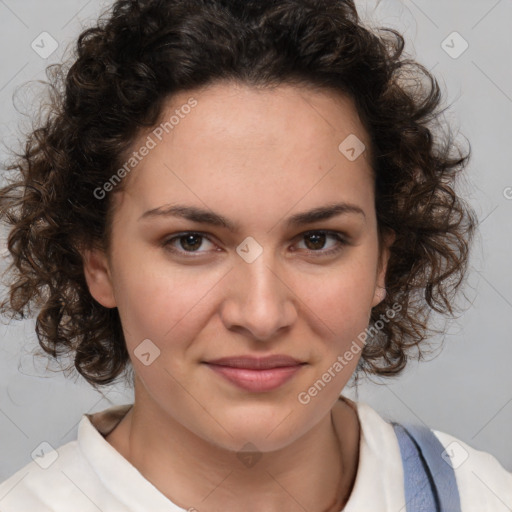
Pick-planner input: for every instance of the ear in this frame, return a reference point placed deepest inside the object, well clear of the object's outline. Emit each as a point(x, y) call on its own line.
point(98, 277)
point(380, 284)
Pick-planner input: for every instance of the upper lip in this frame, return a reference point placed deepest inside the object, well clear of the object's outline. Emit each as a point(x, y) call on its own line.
point(256, 363)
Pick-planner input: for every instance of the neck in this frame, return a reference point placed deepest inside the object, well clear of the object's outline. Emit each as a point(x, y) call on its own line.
point(316, 472)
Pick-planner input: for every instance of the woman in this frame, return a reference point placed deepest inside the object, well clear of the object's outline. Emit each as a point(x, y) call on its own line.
point(237, 206)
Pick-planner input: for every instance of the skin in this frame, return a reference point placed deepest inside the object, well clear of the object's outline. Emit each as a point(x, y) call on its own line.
point(255, 157)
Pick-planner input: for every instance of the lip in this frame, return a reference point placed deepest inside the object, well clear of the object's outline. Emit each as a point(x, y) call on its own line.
point(257, 381)
point(256, 363)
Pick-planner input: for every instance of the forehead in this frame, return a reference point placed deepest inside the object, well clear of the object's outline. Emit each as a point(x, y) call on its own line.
point(232, 112)
point(269, 144)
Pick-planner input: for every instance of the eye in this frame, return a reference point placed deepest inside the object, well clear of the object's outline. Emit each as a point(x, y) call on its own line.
point(190, 242)
point(315, 240)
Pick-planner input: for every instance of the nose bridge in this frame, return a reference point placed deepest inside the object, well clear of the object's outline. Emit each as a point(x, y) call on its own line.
point(261, 282)
point(261, 302)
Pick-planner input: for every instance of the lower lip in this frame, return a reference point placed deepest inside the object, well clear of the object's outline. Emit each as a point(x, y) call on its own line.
point(256, 380)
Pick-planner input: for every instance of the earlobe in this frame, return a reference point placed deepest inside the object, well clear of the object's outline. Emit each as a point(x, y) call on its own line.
point(98, 278)
point(379, 295)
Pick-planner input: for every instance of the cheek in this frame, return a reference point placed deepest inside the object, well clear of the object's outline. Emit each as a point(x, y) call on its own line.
point(340, 297)
point(159, 301)
point(338, 312)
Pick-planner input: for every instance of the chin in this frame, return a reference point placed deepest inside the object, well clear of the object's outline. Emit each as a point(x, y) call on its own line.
point(263, 436)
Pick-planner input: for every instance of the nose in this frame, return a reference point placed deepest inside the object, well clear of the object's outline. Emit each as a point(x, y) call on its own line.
point(259, 302)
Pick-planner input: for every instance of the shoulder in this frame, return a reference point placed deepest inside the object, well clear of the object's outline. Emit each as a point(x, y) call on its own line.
point(50, 482)
point(484, 484)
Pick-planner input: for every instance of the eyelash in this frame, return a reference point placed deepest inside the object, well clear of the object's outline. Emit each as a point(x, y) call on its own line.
point(341, 243)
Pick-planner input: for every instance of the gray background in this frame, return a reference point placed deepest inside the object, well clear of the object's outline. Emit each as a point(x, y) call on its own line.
point(467, 389)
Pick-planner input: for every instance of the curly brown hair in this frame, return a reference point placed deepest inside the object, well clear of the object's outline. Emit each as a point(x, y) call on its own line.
point(124, 71)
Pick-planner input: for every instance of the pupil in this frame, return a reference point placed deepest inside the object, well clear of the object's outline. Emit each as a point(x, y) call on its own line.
point(188, 238)
point(320, 238)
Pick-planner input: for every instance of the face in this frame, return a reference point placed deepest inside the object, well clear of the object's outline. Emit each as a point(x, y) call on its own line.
point(257, 284)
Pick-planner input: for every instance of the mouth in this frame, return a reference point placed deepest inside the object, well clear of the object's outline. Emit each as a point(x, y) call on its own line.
point(257, 380)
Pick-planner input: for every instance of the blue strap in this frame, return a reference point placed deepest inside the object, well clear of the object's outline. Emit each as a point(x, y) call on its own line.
point(430, 483)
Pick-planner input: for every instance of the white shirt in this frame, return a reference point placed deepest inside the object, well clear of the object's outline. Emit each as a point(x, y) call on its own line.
point(90, 475)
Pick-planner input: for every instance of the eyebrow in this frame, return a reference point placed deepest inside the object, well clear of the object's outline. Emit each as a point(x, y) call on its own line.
point(199, 215)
